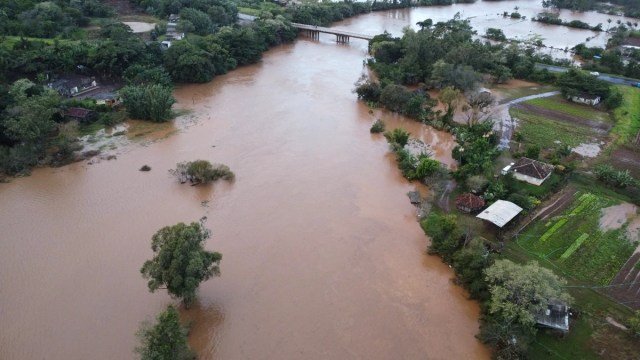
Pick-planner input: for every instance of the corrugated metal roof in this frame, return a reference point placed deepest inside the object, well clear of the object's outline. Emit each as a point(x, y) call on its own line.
point(500, 212)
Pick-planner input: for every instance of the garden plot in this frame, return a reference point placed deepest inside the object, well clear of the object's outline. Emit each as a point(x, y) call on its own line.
point(548, 122)
point(588, 240)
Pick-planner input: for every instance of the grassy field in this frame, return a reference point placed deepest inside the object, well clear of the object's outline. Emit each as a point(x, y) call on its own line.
point(542, 131)
point(627, 116)
point(508, 94)
point(574, 243)
point(557, 103)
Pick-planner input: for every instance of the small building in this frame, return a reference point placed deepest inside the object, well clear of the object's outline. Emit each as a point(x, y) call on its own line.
point(81, 114)
point(531, 171)
point(469, 203)
point(164, 45)
point(108, 98)
point(72, 85)
point(555, 316)
point(500, 213)
point(587, 99)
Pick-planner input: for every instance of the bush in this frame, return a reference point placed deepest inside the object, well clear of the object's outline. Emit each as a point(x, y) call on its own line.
point(368, 91)
point(377, 127)
point(610, 176)
point(533, 152)
point(202, 171)
point(395, 97)
point(444, 233)
point(398, 138)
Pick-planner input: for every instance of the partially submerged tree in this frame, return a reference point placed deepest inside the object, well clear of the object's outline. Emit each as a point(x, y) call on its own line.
point(180, 262)
point(164, 340)
point(201, 171)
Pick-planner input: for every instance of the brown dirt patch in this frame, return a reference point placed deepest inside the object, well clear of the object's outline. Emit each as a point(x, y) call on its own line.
point(628, 281)
point(627, 158)
point(614, 217)
point(556, 115)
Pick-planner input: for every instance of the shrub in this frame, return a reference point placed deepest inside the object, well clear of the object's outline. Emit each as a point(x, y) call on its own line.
point(368, 91)
point(202, 171)
point(398, 138)
point(377, 127)
point(477, 183)
point(444, 233)
point(427, 167)
point(610, 176)
point(395, 97)
point(533, 152)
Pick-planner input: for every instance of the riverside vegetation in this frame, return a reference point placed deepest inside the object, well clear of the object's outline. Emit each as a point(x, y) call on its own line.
point(444, 56)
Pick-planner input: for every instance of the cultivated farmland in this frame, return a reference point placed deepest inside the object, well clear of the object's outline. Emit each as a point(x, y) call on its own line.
point(575, 243)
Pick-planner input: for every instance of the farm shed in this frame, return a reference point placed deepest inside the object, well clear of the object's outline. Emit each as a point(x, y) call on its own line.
point(555, 316)
point(587, 99)
point(500, 213)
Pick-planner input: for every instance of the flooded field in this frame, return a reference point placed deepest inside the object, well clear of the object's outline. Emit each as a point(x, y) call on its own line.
point(322, 259)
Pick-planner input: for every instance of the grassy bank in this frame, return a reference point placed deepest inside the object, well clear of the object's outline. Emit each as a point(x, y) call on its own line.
point(627, 116)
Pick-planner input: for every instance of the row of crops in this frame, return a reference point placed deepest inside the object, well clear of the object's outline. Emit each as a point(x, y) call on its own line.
point(574, 242)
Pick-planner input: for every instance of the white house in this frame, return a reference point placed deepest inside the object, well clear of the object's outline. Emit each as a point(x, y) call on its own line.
point(532, 171)
point(587, 99)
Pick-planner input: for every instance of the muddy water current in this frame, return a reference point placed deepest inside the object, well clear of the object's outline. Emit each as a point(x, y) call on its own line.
point(323, 257)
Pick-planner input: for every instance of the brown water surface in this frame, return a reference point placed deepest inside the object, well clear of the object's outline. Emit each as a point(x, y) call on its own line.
point(323, 257)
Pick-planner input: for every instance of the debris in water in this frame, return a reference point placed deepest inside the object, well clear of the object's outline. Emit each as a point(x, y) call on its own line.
point(145, 168)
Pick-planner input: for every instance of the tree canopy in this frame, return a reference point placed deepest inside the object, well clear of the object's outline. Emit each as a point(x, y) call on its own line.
point(520, 292)
point(166, 339)
point(180, 262)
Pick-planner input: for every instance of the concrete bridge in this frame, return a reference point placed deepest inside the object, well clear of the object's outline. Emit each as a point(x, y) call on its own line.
point(312, 31)
point(342, 36)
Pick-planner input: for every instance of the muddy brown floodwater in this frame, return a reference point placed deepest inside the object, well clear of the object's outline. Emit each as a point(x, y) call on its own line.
point(323, 257)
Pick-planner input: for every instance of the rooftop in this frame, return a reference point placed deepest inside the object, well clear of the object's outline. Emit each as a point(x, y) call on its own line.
point(500, 212)
point(470, 201)
point(556, 316)
point(76, 112)
point(533, 168)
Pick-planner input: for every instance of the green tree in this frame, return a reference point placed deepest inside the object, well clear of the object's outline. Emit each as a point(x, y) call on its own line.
point(148, 102)
point(444, 233)
point(450, 97)
point(201, 22)
point(180, 262)
point(520, 292)
point(164, 340)
point(469, 263)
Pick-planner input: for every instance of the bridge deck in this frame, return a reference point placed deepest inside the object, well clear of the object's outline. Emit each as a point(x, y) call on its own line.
point(332, 31)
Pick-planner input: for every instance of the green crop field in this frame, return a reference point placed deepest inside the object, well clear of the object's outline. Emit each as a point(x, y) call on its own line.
point(627, 116)
point(574, 243)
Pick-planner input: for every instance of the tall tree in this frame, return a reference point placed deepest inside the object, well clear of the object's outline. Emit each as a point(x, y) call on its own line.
point(180, 262)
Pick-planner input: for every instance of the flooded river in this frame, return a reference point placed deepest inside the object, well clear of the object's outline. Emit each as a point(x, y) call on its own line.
point(323, 257)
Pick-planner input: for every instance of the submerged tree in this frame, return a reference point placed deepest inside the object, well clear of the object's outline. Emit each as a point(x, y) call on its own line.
point(201, 172)
point(180, 262)
point(164, 340)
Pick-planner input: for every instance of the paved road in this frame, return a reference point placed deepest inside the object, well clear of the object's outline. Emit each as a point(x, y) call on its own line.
point(608, 78)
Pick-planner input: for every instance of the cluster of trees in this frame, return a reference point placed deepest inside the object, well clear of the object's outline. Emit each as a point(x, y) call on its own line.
point(554, 19)
point(511, 294)
point(612, 60)
point(576, 82)
point(476, 150)
point(413, 166)
point(631, 7)
point(48, 19)
point(202, 16)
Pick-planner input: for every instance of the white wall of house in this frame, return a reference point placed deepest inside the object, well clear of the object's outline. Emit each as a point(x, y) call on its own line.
point(581, 100)
point(530, 179)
